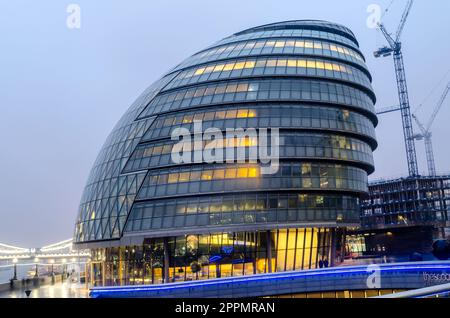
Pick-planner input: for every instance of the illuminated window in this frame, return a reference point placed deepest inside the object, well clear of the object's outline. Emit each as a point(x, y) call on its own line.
point(187, 119)
point(301, 63)
point(157, 150)
point(239, 66)
point(290, 43)
point(282, 63)
point(215, 207)
point(230, 173)
point(251, 113)
point(207, 175)
point(320, 65)
point(306, 169)
point(328, 66)
point(253, 172)
point(302, 198)
point(200, 71)
point(345, 114)
point(228, 67)
point(242, 113)
point(271, 63)
point(231, 114)
point(184, 177)
point(242, 173)
point(219, 68)
point(242, 88)
point(292, 63)
point(219, 174)
point(311, 64)
point(173, 178)
point(250, 142)
point(249, 64)
point(220, 115)
point(195, 175)
point(191, 208)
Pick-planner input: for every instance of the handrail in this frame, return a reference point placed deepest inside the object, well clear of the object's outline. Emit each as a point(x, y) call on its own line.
point(421, 293)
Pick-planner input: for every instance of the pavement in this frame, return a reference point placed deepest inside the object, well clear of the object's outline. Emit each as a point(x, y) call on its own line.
point(57, 290)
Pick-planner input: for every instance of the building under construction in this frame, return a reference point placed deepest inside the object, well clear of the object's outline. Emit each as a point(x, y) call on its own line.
point(402, 216)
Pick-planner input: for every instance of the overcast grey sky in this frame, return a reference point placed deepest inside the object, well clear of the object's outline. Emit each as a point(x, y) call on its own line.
point(62, 90)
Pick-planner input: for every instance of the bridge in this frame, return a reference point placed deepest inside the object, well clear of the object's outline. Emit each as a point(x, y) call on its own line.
point(61, 257)
point(57, 251)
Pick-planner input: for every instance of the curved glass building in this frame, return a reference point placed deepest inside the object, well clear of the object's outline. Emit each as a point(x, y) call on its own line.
point(149, 218)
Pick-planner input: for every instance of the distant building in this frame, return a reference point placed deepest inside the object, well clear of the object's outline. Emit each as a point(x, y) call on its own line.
point(148, 219)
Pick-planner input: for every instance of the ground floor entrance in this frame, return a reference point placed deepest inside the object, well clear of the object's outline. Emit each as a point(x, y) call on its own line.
point(217, 255)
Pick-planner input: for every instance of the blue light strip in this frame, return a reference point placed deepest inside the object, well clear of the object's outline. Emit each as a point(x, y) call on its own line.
point(338, 271)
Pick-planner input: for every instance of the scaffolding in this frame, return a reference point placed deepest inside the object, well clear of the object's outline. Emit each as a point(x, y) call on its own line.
point(407, 202)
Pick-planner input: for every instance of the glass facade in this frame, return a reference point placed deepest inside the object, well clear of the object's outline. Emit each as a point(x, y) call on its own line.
point(225, 254)
point(276, 47)
point(150, 219)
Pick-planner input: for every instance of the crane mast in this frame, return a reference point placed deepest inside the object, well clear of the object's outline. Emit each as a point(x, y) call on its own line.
point(405, 112)
point(395, 48)
point(427, 135)
point(430, 155)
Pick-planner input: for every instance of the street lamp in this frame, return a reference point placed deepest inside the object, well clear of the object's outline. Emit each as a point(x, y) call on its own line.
point(15, 260)
point(52, 261)
point(36, 260)
point(64, 261)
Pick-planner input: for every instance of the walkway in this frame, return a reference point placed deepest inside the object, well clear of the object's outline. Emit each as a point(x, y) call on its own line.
point(58, 290)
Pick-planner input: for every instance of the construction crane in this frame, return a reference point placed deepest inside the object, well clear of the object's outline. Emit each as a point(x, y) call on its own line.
point(387, 110)
point(395, 48)
point(426, 132)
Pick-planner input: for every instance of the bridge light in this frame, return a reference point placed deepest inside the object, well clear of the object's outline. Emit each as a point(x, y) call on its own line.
point(52, 261)
point(36, 259)
point(74, 260)
point(64, 261)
